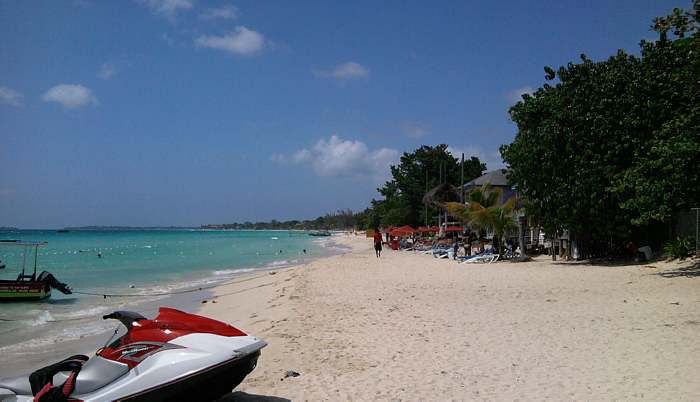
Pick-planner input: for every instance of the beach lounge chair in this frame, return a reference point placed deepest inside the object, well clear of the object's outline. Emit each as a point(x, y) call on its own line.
point(441, 252)
point(469, 257)
point(486, 256)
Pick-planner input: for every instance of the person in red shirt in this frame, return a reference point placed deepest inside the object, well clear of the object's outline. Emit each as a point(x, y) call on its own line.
point(377, 243)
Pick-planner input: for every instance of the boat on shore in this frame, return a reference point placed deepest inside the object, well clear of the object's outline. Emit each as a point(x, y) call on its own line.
point(320, 233)
point(29, 287)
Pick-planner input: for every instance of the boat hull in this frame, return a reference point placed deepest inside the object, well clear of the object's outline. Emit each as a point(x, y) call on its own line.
point(23, 291)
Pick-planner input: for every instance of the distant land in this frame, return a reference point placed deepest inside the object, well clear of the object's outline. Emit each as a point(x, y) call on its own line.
point(346, 219)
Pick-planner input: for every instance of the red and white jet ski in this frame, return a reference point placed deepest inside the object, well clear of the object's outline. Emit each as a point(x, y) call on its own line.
point(175, 357)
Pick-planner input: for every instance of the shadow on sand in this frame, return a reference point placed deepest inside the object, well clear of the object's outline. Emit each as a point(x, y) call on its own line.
point(604, 262)
point(239, 396)
point(688, 272)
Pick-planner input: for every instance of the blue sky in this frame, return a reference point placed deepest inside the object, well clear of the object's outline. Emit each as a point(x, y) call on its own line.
point(185, 112)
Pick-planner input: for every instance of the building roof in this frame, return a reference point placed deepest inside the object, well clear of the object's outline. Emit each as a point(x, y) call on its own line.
point(497, 178)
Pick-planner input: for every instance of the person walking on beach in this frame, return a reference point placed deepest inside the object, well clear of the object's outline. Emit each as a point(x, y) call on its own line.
point(377, 243)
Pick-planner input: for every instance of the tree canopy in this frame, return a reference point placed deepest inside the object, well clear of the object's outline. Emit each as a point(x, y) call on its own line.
point(613, 145)
point(417, 172)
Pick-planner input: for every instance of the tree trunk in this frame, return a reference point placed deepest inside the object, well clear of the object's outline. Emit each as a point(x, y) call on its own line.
point(521, 234)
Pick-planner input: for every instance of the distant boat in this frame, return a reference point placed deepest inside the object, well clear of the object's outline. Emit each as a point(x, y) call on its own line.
point(320, 233)
point(29, 287)
point(62, 231)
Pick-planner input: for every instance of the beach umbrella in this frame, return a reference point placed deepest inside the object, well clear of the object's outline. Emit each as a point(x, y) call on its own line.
point(407, 229)
point(402, 231)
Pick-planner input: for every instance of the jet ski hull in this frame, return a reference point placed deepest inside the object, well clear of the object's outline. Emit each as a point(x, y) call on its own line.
point(208, 384)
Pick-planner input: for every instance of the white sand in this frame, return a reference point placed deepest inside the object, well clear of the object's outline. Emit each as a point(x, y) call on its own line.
point(411, 327)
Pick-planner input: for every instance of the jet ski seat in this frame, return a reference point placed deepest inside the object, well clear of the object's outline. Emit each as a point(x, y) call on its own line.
point(95, 374)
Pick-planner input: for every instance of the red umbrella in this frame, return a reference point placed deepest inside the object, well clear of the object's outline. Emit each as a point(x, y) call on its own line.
point(454, 229)
point(426, 229)
point(402, 231)
point(389, 229)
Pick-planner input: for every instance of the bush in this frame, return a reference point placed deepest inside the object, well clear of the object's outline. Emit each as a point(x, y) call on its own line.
point(679, 248)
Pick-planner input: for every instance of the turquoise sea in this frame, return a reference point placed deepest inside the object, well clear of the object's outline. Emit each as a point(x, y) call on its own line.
point(143, 264)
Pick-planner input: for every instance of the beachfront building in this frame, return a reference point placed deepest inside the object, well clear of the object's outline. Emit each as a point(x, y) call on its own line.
point(497, 179)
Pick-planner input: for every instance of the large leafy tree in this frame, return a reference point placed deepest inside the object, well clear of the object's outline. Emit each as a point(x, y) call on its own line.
point(416, 172)
point(612, 146)
point(663, 177)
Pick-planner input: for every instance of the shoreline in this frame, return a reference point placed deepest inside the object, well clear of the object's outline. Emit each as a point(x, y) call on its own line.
point(16, 359)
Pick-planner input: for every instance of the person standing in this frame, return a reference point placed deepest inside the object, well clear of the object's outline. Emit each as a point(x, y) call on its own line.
point(377, 243)
point(468, 245)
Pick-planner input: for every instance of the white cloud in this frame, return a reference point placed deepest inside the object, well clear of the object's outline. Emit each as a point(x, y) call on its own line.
point(107, 70)
point(412, 129)
point(345, 71)
point(348, 158)
point(70, 96)
point(226, 12)
point(167, 8)
point(10, 97)
point(300, 156)
point(516, 95)
point(242, 41)
point(491, 158)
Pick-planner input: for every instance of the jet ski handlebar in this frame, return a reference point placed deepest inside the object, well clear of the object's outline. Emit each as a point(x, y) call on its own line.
point(125, 317)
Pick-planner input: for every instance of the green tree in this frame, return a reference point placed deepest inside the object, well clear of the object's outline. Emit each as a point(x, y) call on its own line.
point(417, 172)
point(663, 178)
point(613, 146)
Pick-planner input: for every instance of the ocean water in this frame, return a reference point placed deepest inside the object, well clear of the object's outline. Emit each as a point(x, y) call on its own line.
point(136, 268)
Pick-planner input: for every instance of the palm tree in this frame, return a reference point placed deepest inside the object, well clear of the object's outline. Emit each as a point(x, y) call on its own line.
point(440, 196)
point(483, 211)
point(502, 219)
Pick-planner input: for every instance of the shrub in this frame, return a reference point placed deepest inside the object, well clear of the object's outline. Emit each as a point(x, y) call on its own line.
point(679, 248)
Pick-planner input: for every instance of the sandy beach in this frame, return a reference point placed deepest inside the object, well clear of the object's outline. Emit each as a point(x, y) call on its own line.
point(412, 327)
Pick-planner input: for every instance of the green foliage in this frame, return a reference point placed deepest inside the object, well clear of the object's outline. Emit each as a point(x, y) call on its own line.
point(483, 211)
point(681, 21)
point(340, 219)
point(679, 248)
point(417, 172)
point(613, 144)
